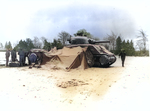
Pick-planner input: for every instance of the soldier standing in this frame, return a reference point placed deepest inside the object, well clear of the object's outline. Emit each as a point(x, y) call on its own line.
point(7, 56)
point(13, 55)
point(21, 57)
point(123, 56)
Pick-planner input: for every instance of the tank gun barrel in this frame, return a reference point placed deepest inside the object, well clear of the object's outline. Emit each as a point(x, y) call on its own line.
point(102, 42)
point(94, 42)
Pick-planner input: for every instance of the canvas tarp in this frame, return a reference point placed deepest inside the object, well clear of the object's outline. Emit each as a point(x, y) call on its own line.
point(67, 58)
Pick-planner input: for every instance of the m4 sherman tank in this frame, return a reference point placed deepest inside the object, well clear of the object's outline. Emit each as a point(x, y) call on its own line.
point(96, 55)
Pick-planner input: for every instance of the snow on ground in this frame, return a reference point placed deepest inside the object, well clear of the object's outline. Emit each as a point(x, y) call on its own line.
point(108, 89)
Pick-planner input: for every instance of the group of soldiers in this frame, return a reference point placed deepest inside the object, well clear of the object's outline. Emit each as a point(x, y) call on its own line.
point(32, 57)
point(21, 53)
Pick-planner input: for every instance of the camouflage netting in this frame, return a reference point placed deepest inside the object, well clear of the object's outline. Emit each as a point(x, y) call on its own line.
point(66, 58)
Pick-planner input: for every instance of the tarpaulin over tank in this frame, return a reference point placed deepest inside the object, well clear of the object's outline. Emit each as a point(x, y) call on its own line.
point(66, 58)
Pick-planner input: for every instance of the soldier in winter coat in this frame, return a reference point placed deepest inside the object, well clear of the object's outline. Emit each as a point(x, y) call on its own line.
point(123, 56)
point(7, 56)
point(21, 57)
point(13, 55)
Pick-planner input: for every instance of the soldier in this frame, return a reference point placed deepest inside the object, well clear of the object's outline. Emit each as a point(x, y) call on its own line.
point(21, 57)
point(32, 59)
point(7, 56)
point(123, 56)
point(13, 55)
point(35, 57)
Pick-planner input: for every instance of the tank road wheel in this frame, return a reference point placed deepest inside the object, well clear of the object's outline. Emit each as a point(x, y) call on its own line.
point(104, 61)
point(89, 58)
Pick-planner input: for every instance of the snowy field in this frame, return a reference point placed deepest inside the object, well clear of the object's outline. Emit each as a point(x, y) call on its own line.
point(107, 89)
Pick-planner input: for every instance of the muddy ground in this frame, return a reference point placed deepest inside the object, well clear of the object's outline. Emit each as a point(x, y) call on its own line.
point(108, 89)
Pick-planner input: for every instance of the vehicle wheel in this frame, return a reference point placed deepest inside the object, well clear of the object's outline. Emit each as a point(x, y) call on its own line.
point(103, 60)
point(89, 58)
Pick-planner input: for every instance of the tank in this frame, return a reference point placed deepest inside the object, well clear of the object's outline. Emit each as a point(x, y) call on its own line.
point(96, 54)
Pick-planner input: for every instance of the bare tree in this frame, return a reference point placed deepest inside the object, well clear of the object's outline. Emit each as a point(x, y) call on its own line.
point(63, 37)
point(37, 43)
point(1, 46)
point(143, 39)
point(43, 40)
point(112, 38)
point(139, 45)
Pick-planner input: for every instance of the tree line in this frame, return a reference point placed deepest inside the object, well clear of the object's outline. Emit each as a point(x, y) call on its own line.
point(116, 43)
point(138, 49)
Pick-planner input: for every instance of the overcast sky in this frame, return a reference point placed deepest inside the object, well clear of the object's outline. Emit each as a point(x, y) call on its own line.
point(21, 19)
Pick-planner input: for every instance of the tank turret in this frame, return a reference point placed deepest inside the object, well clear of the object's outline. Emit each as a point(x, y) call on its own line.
point(84, 40)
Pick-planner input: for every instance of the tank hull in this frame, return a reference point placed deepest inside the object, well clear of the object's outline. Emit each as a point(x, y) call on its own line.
point(97, 55)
